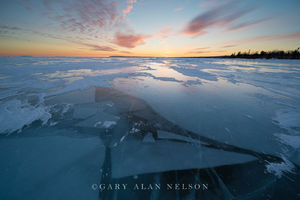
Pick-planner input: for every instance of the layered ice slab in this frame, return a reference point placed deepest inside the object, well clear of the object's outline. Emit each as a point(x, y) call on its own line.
point(105, 136)
point(69, 125)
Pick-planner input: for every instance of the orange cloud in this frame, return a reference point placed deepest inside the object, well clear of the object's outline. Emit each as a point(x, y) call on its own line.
point(129, 40)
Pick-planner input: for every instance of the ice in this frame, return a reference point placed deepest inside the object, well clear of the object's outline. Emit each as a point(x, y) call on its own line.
point(193, 82)
point(16, 114)
point(165, 156)
point(84, 111)
point(98, 124)
point(74, 97)
point(291, 140)
point(55, 167)
point(248, 116)
point(166, 79)
point(134, 130)
point(170, 136)
point(99, 120)
point(148, 138)
point(194, 72)
point(279, 169)
point(288, 118)
point(122, 138)
point(108, 124)
point(110, 104)
point(68, 123)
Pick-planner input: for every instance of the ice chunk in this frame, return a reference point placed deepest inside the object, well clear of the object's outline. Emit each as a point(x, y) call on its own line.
point(15, 115)
point(108, 124)
point(122, 138)
point(98, 124)
point(148, 138)
point(278, 169)
point(110, 104)
point(248, 116)
point(134, 130)
point(99, 120)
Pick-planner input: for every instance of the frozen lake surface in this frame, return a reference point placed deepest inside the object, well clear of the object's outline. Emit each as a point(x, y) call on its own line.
point(71, 124)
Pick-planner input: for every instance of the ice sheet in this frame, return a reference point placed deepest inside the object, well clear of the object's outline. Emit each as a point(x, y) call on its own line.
point(52, 167)
point(163, 156)
point(243, 109)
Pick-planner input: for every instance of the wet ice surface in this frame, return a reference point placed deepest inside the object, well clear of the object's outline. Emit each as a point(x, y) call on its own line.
point(68, 124)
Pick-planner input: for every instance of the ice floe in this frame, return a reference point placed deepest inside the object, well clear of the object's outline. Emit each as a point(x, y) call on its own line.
point(16, 114)
point(279, 169)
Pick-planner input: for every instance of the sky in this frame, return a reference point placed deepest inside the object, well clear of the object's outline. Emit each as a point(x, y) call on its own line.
point(164, 28)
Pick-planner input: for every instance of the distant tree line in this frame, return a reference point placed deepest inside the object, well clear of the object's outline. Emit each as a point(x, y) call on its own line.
point(291, 54)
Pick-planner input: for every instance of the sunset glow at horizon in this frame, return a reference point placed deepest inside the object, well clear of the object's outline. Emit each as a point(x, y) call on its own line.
point(179, 28)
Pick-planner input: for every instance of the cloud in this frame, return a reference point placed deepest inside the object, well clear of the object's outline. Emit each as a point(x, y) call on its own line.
point(198, 52)
point(178, 9)
point(203, 51)
point(129, 7)
point(130, 40)
point(82, 16)
point(77, 40)
point(265, 38)
point(221, 15)
point(207, 3)
point(246, 24)
point(13, 28)
point(164, 32)
point(285, 36)
point(201, 48)
point(229, 46)
point(127, 10)
point(98, 48)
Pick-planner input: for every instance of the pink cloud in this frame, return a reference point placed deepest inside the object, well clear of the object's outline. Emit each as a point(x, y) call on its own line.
point(98, 47)
point(129, 7)
point(208, 3)
point(219, 16)
point(127, 10)
point(165, 32)
point(246, 24)
point(178, 9)
point(129, 40)
point(83, 16)
point(131, 1)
